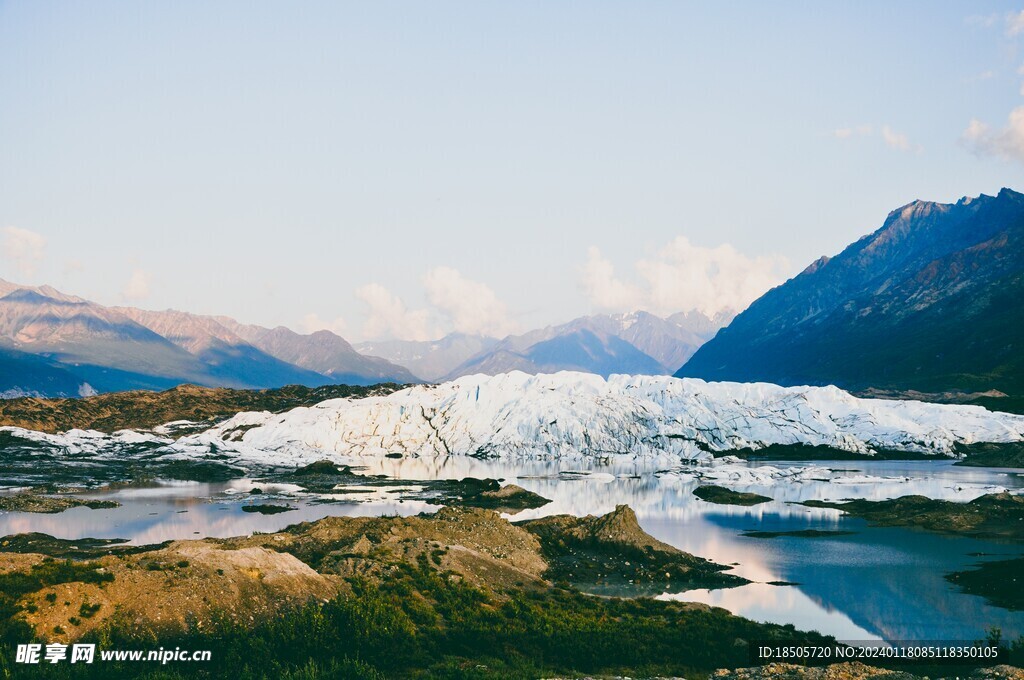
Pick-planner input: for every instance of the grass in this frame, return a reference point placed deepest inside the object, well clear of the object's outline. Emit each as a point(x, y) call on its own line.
point(424, 623)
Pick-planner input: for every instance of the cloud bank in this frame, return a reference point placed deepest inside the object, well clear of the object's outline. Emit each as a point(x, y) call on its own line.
point(682, 277)
point(456, 303)
point(1006, 142)
point(471, 306)
point(388, 316)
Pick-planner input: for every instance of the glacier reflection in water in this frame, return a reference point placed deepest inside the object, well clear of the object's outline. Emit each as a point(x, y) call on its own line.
point(878, 583)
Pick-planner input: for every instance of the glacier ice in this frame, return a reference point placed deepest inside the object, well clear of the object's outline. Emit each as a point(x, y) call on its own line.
point(580, 415)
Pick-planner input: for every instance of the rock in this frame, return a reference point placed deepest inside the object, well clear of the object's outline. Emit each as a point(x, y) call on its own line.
point(32, 502)
point(320, 467)
point(267, 508)
point(992, 515)
point(614, 548)
point(723, 496)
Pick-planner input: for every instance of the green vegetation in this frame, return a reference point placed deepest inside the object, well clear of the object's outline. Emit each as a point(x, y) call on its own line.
point(723, 496)
point(87, 611)
point(422, 623)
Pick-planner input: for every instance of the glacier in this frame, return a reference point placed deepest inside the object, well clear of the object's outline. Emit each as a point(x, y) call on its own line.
point(568, 416)
point(580, 415)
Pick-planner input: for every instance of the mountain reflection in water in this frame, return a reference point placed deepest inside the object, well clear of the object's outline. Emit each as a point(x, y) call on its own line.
point(877, 583)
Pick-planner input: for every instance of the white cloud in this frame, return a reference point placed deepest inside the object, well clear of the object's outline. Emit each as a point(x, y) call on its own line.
point(682, 277)
point(455, 304)
point(895, 140)
point(848, 132)
point(471, 306)
point(25, 249)
point(1007, 142)
point(312, 323)
point(137, 288)
point(892, 138)
point(604, 289)
point(388, 316)
point(1015, 23)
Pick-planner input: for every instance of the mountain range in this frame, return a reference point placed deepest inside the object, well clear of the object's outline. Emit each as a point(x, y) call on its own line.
point(931, 301)
point(634, 343)
point(431, 360)
point(53, 344)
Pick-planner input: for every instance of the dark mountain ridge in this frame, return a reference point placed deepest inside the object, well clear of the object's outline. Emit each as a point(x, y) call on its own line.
point(931, 301)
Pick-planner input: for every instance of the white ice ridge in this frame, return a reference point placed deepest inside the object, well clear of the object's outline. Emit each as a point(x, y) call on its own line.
point(578, 414)
point(74, 442)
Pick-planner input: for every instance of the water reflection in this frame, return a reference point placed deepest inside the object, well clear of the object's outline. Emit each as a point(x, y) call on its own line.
point(878, 583)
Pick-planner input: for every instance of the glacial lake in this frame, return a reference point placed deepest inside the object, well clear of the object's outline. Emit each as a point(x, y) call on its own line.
point(877, 583)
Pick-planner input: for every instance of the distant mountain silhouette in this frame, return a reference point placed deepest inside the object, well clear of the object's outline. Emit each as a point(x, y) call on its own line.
point(931, 301)
point(53, 344)
point(634, 343)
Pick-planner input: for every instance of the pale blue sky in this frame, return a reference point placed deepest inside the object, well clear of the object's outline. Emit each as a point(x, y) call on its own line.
point(269, 160)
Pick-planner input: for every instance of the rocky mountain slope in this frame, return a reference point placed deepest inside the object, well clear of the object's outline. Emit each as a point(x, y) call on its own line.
point(58, 345)
point(576, 350)
point(932, 301)
point(323, 352)
point(671, 341)
point(98, 345)
point(634, 343)
point(230, 359)
point(430, 360)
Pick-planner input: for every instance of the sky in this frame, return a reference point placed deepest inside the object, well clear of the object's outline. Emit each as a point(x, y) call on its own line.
point(408, 169)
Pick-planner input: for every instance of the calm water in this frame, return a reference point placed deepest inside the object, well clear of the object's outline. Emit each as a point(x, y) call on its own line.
point(878, 583)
